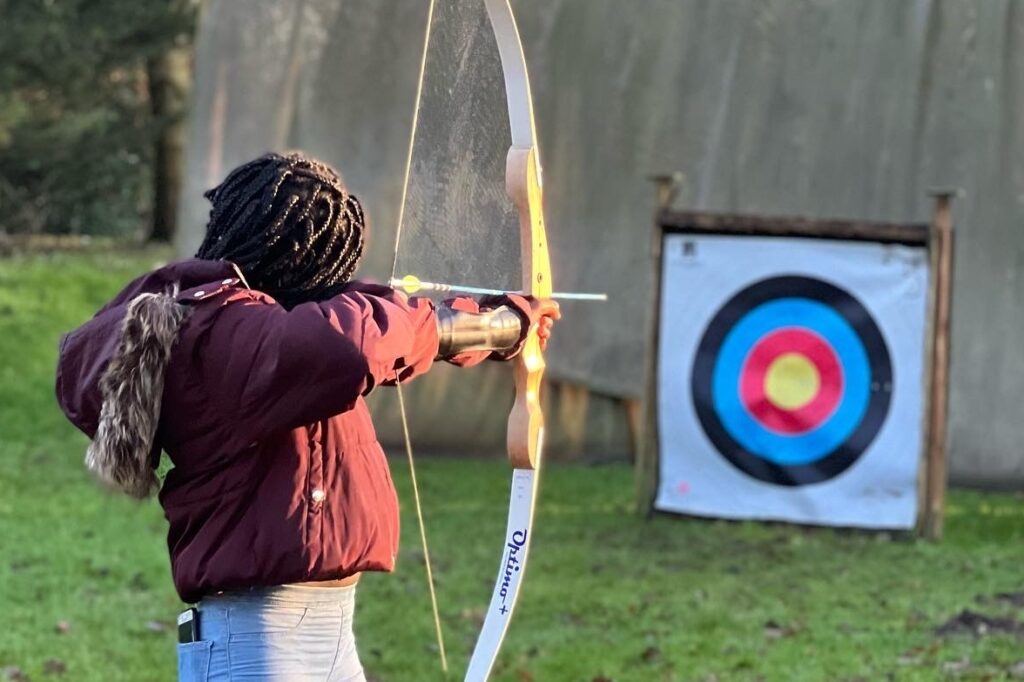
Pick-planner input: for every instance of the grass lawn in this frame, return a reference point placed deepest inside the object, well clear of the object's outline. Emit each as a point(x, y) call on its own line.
point(85, 590)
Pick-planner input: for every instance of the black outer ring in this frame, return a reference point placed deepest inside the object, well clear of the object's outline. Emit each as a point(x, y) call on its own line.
point(845, 454)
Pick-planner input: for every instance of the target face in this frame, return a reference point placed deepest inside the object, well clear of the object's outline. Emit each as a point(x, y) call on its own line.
point(792, 380)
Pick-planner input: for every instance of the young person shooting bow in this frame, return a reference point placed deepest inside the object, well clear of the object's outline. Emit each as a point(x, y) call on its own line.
point(248, 365)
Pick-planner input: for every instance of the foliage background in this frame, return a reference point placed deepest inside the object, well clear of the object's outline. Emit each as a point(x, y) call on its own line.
point(77, 125)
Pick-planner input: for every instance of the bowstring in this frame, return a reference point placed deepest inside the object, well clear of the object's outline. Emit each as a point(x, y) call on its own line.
point(423, 529)
point(412, 139)
point(398, 378)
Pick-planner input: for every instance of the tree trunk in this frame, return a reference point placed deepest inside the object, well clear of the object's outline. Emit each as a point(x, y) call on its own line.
point(170, 81)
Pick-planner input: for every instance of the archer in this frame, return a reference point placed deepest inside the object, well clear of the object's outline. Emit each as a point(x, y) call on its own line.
point(248, 365)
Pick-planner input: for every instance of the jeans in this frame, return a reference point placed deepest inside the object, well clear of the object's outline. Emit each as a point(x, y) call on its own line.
point(273, 634)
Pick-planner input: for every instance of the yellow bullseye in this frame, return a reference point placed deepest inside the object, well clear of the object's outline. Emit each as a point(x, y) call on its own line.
point(791, 381)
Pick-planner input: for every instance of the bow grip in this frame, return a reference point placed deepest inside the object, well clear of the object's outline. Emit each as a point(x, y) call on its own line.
point(526, 421)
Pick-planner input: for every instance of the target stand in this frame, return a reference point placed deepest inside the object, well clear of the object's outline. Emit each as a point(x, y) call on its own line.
point(798, 370)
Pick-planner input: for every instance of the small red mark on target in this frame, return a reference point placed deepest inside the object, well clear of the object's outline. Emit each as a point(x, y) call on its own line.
point(683, 487)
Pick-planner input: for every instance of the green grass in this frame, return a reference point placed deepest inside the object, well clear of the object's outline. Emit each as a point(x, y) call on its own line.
point(609, 596)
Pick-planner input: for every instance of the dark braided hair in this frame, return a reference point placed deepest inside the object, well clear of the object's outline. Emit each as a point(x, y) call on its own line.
point(291, 226)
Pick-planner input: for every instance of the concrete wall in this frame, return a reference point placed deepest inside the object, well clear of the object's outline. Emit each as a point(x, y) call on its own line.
point(829, 108)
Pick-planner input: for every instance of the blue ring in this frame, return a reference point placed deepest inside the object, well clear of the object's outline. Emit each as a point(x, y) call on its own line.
point(740, 424)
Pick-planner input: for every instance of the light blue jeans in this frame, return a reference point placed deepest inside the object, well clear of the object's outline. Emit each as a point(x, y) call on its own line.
point(274, 634)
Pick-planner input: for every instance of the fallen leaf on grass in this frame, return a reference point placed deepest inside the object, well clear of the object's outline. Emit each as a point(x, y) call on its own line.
point(979, 625)
point(14, 674)
point(956, 666)
point(54, 666)
point(138, 582)
point(62, 627)
point(774, 630)
point(1005, 598)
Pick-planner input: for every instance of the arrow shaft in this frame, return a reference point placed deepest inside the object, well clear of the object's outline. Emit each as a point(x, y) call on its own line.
point(481, 291)
point(579, 296)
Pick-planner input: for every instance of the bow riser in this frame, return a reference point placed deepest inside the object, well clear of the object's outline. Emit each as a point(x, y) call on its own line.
point(526, 421)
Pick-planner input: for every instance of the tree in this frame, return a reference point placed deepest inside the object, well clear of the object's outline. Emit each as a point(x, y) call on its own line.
point(79, 114)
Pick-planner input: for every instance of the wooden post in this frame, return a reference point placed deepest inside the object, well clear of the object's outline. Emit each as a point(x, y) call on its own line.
point(634, 409)
point(646, 439)
point(937, 395)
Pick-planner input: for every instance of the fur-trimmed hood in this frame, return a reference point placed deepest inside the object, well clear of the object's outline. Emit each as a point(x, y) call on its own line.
point(110, 376)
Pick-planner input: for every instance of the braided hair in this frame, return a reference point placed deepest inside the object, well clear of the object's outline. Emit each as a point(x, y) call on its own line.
point(290, 224)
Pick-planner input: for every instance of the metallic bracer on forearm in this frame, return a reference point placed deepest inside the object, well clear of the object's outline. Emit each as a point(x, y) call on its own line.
point(499, 329)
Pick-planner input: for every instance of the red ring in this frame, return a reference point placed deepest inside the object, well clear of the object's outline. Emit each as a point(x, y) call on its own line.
point(760, 358)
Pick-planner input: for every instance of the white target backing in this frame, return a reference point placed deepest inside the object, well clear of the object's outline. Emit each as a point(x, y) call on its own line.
point(790, 379)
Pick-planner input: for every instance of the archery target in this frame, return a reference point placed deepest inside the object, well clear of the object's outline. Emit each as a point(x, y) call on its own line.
point(790, 379)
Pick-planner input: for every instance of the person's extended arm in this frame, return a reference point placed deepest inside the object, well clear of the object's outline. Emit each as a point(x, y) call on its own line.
point(292, 367)
point(270, 369)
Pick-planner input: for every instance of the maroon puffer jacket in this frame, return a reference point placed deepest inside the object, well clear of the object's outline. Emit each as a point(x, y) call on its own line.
point(278, 476)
